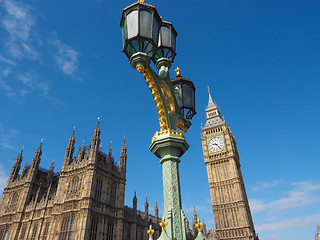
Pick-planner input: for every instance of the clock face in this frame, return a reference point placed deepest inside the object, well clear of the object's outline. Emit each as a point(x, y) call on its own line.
point(216, 144)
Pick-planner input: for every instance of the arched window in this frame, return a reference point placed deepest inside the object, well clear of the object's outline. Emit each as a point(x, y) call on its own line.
point(67, 228)
point(113, 194)
point(97, 195)
point(75, 185)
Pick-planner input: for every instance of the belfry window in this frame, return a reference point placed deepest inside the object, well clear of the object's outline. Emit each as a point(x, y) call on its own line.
point(75, 185)
point(110, 231)
point(23, 233)
point(46, 232)
point(97, 195)
point(113, 194)
point(34, 232)
point(94, 227)
point(67, 228)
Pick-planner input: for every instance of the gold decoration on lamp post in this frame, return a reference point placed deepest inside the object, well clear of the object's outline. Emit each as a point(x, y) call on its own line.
point(150, 232)
point(199, 225)
point(163, 224)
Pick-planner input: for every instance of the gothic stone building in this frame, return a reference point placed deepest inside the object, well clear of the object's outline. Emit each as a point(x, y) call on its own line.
point(84, 201)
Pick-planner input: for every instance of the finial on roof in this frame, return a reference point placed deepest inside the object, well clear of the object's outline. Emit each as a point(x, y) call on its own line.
point(98, 119)
point(141, 1)
point(42, 140)
point(208, 89)
point(178, 72)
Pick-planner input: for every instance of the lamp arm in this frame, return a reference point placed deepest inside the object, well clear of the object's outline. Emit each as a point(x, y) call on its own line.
point(169, 113)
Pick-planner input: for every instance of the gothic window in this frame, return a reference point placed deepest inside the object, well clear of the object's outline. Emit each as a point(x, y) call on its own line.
point(75, 185)
point(67, 228)
point(97, 195)
point(34, 232)
point(110, 231)
point(23, 233)
point(46, 232)
point(113, 194)
point(94, 227)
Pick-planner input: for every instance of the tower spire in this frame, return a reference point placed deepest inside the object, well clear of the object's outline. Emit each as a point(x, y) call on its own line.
point(37, 157)
point(211, 104)
point(123, 158)
point(69, 149)
point(16, 166)
point(96, 136)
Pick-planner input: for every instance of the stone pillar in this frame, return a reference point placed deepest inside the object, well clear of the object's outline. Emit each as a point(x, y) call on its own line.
point(169, 148)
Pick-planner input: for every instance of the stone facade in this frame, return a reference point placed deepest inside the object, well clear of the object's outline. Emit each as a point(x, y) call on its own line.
point(317, 235)
point(84, 201)
point(230, 205)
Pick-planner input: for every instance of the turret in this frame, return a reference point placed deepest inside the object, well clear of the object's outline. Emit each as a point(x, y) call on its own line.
point(24, 171)
point(81, 152)
point(36, 159)
point(69, 150)
point(123, 158)
point(194, 222)
point(50, 172)
point(156, 212)
point(110, 157)
point(134, 205)
point(146, 207)
point(96, 137)
point(95, 142)
point(16, 167)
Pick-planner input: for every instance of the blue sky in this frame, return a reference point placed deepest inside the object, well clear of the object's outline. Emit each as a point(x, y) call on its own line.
point(61, 65)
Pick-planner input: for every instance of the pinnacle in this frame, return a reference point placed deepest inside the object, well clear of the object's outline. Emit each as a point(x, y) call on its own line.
point(211, 104)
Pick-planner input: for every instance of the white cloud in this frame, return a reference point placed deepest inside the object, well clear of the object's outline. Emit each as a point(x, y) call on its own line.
point(304, 193)
point(19, 23)
point(66, 58)
point(287, 224)
point(32, 83)
point(6, 136)
point(271, 237)
point(264, 185)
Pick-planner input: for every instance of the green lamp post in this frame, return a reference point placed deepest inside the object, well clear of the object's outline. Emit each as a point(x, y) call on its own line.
point(146, 38)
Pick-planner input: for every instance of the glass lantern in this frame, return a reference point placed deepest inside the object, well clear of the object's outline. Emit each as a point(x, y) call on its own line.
point(166, 43)
point(184, 92)
point(140, 25)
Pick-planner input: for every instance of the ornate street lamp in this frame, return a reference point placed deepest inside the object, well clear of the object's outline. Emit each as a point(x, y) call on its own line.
point(146, 37)
point(184, 92)
point(140, 25)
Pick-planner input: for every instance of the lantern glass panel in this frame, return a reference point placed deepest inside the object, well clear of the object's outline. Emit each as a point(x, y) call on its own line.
point(165, 36)
point(132, 24)
point(187, 96)
point(155, 31)
point(145, 23)
point(173, 41)
point(178, 94)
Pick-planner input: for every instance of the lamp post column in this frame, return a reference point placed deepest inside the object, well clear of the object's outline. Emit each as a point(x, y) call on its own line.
point(169, 148)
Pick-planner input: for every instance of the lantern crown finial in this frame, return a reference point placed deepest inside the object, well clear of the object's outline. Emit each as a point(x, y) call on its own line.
point(178, 72)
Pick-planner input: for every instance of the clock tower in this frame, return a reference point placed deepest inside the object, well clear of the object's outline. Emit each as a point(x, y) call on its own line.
point(230, 205)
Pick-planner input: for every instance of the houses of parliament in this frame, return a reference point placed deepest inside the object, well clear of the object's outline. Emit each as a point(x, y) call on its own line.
point(84, 201)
